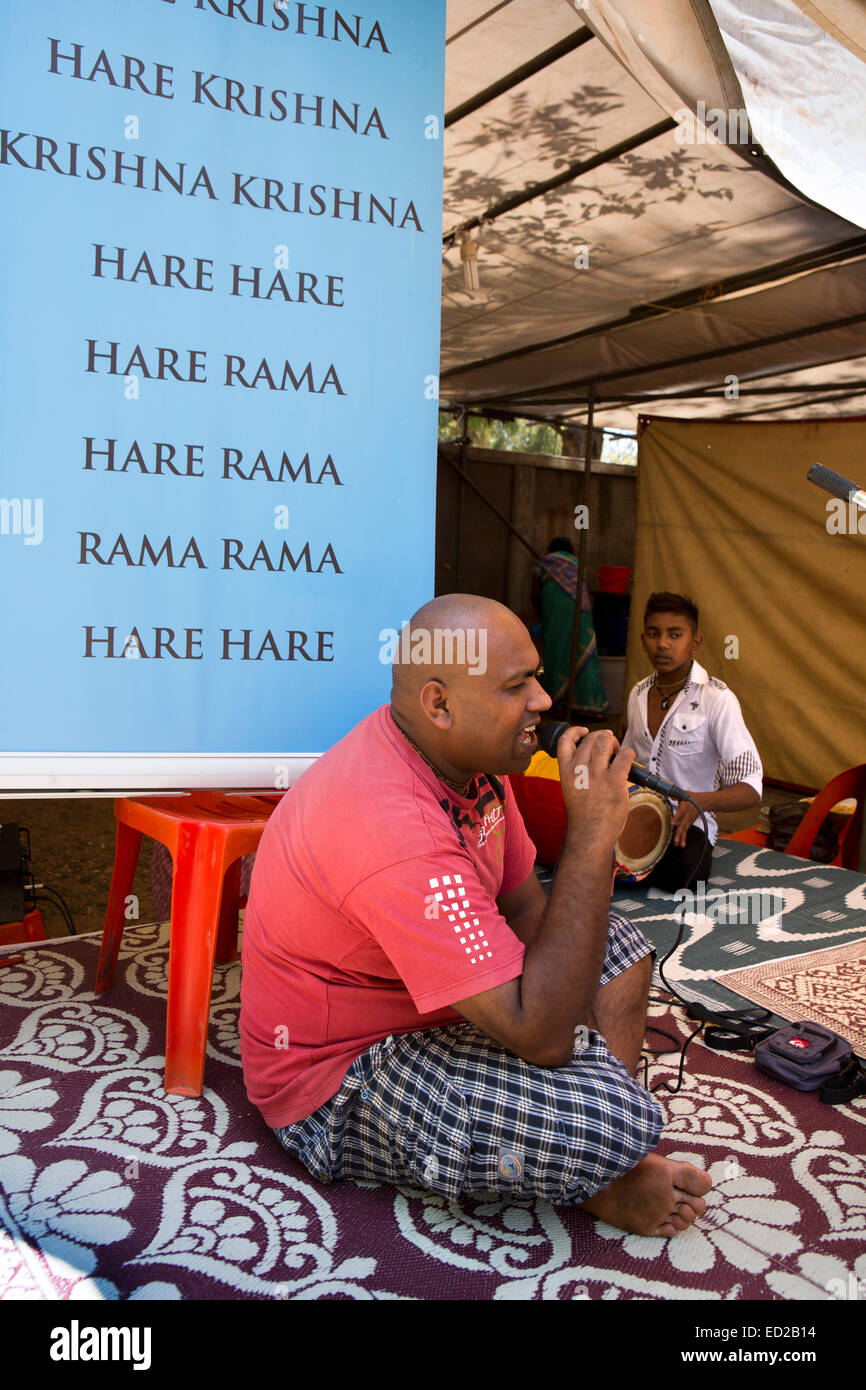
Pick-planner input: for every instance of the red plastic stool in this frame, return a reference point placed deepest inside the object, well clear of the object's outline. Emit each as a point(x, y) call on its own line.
point(206, 833)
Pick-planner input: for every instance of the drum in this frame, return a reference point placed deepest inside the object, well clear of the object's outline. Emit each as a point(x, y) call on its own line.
point(647, 832)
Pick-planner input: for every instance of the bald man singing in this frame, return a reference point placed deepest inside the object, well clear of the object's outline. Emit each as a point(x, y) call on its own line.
point(413, 1008)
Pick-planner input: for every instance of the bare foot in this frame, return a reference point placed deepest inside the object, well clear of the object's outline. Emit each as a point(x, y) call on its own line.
point(659, 1197)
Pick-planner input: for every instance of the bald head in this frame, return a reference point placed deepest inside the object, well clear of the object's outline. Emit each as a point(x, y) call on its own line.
point(449, 640)
point(464, 684)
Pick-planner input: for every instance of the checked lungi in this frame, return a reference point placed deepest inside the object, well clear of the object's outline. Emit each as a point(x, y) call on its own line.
point(452, 1111)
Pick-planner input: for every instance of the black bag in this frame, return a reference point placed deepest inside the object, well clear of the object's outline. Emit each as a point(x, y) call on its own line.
point(784, 819)
point(810, 1057)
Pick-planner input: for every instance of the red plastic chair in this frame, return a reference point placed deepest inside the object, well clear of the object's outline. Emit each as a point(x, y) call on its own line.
point(849, 783)
point(846, 784)
point(206, 833)
point(750, 836)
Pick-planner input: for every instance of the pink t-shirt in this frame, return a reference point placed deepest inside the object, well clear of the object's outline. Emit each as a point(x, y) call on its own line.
point(372, 908)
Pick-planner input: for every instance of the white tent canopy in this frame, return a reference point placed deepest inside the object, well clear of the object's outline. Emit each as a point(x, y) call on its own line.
point(629, 238)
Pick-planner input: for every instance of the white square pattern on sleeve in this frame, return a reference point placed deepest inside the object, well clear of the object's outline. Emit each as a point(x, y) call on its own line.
point(451, 897)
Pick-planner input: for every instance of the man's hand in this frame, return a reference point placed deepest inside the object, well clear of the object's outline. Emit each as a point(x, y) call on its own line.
point(536, 1014)
point(595, 790)
point(740, 797)
point(685, 817)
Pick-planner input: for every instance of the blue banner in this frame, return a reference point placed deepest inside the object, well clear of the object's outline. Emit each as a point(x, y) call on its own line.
point(220, 259)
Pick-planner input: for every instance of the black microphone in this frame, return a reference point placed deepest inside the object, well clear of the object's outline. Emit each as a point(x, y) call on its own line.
point(550, 734)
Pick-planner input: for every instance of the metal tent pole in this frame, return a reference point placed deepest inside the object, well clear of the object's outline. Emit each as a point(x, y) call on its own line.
point(581, 553)
point(464, 439)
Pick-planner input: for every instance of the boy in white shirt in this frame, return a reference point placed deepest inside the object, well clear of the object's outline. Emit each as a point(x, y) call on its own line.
point(687, 727)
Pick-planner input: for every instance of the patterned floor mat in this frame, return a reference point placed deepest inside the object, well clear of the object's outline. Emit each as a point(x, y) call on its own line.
point(110, 1189)
point(827, 987)
point(758, 906)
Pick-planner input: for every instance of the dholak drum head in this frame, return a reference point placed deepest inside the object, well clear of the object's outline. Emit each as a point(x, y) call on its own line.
point(644, 837)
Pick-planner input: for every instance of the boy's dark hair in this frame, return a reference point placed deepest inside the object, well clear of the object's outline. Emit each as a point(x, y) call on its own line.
point(560, 543)
point(672, 603)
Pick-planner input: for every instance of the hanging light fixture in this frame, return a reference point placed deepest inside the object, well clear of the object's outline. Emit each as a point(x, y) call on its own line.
point(469, 257)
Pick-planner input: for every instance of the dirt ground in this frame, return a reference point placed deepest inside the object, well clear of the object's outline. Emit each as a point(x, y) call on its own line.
point(72, 846)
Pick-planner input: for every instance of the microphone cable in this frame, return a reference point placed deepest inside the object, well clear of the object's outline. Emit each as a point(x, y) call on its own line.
point(727, 1031)
point(665, 1085)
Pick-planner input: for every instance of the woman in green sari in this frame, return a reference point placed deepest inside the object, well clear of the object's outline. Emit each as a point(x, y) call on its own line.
point(557, 575)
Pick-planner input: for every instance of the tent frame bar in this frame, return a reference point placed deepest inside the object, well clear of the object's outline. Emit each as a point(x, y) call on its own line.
point(728, 350)
point(503, 4)
point(818, 400)
point(526, 70)
point(841, 251)
point(714, 393)
point(574, 171)
point(745, 389)
point(837, 390)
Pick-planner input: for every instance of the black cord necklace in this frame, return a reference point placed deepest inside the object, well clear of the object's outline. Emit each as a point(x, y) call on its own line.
point(461, 788)
point(672, 689)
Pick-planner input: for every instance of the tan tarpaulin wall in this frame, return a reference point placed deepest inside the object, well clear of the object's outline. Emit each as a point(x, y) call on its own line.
point(725, 514)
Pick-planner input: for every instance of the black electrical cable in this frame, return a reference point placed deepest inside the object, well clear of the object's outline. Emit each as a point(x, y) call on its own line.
point(660, 1051)
point(725, 1025)
point(44, 897)
point(719, 1019)
point(61, 904)
point(32, 891)
point(682, 914)
point(665, 1085)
